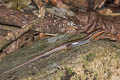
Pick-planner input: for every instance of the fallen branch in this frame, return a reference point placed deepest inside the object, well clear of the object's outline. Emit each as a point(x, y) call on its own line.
point(14, 35)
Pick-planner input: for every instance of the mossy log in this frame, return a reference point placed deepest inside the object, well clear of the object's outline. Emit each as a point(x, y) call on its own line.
point(95, 60)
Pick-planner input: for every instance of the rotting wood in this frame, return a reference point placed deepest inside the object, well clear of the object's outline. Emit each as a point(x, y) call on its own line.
point(26, 39)
point(14, 35)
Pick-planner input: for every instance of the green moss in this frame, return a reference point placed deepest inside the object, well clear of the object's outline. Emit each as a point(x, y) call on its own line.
point(17, 4)
point(29, 78)
point(109, 74)
point(68, 74)
point(118, 53)
point(90, 57)
point(69, 70)
point(23, 54)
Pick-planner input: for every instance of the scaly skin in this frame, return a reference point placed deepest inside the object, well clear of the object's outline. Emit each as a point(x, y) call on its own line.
point(66, 45)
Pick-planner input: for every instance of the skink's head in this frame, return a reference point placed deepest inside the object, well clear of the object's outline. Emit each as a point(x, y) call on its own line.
point(96, 34)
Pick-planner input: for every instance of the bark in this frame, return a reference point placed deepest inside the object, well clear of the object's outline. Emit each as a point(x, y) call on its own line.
point(14, 18)
point(8, 28)
point(24, 40)
point(14, 35)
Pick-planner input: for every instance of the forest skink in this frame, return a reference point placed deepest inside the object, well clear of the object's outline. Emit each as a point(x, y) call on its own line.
point(63, 46)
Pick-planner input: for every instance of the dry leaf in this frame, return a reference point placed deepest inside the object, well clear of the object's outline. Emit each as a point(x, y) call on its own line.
point(117, 2)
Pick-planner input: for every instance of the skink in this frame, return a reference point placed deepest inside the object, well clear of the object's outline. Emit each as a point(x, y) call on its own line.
point(66, 45)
